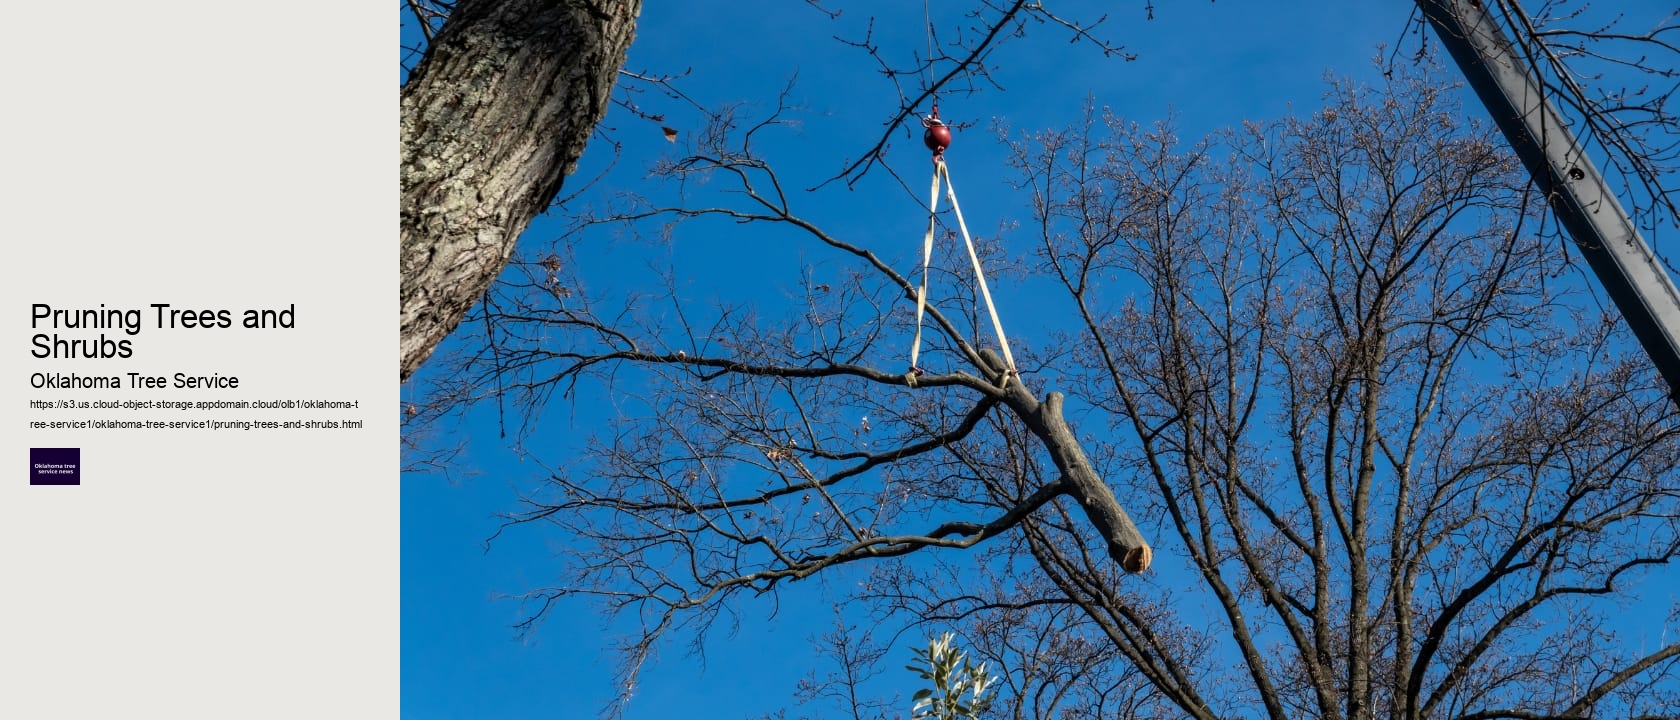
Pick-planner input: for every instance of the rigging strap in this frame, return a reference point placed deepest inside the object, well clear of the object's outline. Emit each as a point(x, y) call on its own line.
point(940, 171)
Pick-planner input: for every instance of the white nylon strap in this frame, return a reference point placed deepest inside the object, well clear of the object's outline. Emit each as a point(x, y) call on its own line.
point(979, 275)
point(927, 256)
point(940, 170)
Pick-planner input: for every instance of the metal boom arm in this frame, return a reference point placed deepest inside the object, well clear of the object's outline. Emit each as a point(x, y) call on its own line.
point(1562, 170)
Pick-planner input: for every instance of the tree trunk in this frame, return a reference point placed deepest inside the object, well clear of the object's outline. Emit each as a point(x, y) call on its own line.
point(1125, 542)
point(493, 119)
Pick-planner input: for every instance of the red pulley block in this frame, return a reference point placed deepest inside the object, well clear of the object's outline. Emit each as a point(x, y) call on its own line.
point(938, 134)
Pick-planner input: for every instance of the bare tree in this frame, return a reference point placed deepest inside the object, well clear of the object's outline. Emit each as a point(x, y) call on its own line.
point(1381, 438)
point(506, 93)
point(494, 116)
point(1396, 468)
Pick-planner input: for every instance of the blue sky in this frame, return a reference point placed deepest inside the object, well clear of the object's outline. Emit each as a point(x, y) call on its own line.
point(1211, 65)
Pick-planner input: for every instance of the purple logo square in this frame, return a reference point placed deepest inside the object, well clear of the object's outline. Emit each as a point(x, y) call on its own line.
point(55, 466)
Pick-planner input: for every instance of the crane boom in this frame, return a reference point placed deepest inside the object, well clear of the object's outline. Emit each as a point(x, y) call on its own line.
point(1561, 168)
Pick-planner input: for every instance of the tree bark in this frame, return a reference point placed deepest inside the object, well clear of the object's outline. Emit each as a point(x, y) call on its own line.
point(493, 119)
point(1126, 545)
